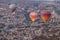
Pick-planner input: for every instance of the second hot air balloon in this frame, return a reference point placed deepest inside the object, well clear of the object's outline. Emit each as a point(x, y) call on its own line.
point(45, 15)
point(12, 7)
point(33, 16)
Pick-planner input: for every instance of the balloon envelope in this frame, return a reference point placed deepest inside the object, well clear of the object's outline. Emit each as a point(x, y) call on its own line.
point(13, 7)
point(33, 16)
point(45, 15)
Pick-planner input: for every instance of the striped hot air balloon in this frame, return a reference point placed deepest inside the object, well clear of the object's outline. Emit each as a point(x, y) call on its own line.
point(33, 16)
point(13, 7)
point(45, 15)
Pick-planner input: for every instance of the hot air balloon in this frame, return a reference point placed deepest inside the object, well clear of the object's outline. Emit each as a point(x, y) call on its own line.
point(45, 15)
point(12, 7)
point(33, 16)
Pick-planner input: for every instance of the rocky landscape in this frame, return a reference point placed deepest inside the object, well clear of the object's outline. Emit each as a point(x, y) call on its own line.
point(18, 25)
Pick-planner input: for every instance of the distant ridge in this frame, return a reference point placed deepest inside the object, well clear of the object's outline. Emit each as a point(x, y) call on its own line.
point(22, 1)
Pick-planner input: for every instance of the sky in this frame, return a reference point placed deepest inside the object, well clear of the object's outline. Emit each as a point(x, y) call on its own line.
point(42, 0)
point(18, 1)
point(28, 0)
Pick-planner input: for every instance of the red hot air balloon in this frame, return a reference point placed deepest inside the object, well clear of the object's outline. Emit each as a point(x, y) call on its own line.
point(33, 16)
point(45, 15)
